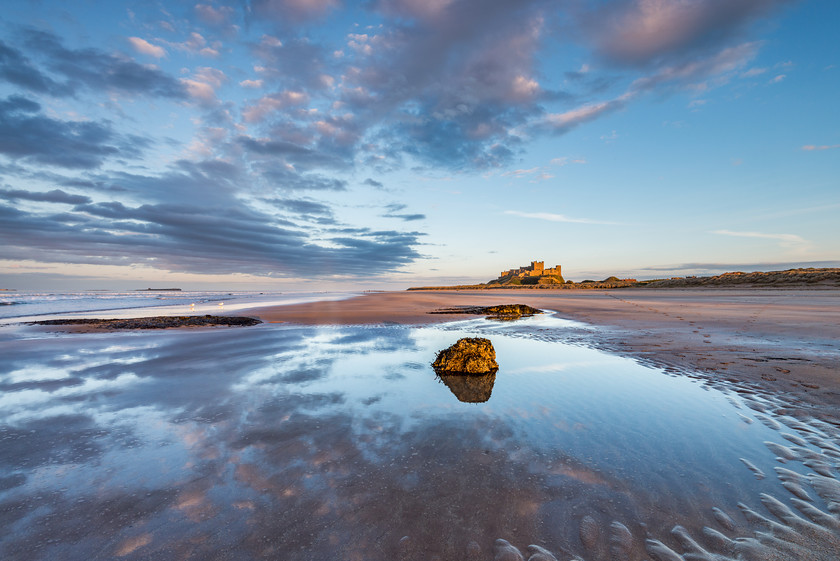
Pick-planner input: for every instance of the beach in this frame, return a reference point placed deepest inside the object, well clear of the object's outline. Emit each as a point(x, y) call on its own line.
point(612, 429)
point(783, 340)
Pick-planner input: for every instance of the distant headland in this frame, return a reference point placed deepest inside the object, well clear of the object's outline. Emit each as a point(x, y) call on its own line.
point(158, 290)
point(536, 276)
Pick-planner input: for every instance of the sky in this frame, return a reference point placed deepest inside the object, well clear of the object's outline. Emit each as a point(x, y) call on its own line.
point(329, 144)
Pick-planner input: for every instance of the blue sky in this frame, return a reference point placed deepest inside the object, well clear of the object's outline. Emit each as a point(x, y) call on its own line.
point(390, 143)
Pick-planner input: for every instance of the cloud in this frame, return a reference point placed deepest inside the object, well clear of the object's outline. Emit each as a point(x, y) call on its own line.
point(18, 69)
point(215, 16)
point(296, 63)
point(373, 183)
point(561, 123)
point(291, 155)
point(393, 212)
point(196, 220)
point(144, 47)
point(85, 68)
point(196, 44)
point(687, 73)
point(812, 147)
point(302, 206)
point(640, 32)
point(557, 218)
point(777, 79)
point(292, 11)
point(787, 240)
point(202, 85)
point(452, 94)
point(27, 135)
point(258, 111)
point(565, 160)
point(54, 196)
point(753, 72)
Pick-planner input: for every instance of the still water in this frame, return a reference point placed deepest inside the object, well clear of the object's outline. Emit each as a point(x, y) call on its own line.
point(290, 442)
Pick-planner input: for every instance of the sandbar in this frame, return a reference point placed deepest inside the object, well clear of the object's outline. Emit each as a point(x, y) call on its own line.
point(781, 340)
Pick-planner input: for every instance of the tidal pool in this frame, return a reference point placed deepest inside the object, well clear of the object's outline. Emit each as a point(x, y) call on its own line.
point(290, 442)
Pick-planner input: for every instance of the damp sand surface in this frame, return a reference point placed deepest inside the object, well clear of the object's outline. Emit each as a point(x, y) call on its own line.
point(295, 442)
point(783, 340)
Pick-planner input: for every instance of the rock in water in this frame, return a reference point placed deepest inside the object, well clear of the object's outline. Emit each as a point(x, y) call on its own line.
point(470, 355)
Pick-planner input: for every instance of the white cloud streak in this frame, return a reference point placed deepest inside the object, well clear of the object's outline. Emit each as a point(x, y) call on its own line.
point(557, 218)
point(785, 239)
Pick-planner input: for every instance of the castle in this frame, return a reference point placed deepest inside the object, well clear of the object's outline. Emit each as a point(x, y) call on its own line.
point(536, 269)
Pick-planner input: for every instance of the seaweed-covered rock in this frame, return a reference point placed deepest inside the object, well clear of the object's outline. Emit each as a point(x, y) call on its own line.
point(470, 355)
point(500, 312)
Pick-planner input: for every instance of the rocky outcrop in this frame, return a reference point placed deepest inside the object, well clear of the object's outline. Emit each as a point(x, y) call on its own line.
point(501, 312)
point(470, 355)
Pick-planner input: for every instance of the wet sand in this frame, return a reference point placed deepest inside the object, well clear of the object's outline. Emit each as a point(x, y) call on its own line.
point(780, 340)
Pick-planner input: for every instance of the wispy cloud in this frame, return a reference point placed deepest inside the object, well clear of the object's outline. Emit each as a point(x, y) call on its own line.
point(787, 240)
point(551, 217)
point(811, 147)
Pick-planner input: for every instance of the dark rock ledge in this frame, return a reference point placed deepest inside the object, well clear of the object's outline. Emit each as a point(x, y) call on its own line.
point(501, 312)
point(156, 322)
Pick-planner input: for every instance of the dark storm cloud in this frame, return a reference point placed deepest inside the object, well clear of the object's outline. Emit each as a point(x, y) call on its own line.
point(80, 68)
point(634, 32)
point(28, 135)
point(54, 196)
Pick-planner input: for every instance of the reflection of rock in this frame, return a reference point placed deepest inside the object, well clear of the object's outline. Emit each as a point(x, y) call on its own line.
point(475, 388)
point(470, 355)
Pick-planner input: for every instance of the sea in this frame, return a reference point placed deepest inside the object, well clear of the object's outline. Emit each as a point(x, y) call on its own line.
point(17, 306)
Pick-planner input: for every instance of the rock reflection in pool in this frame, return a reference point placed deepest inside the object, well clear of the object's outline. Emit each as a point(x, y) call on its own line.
point(470, 388)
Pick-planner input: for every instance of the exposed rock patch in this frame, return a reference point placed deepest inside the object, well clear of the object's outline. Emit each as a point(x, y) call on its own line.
point(500, 312)
point(470, 355)
point(156, 322)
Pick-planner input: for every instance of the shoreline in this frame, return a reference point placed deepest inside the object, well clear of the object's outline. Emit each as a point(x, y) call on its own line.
point(780, 340)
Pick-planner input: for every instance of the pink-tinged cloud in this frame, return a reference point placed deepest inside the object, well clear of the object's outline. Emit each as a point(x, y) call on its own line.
point(563, 122)
point(202, 85)
point(811, 147)
point(294, 10)
point(718, 67)
point(144, 47)
point(641, 31)
point(268, 104)
point(214, 16)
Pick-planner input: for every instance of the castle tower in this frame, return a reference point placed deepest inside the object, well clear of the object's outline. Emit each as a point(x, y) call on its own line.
point(537, 266)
